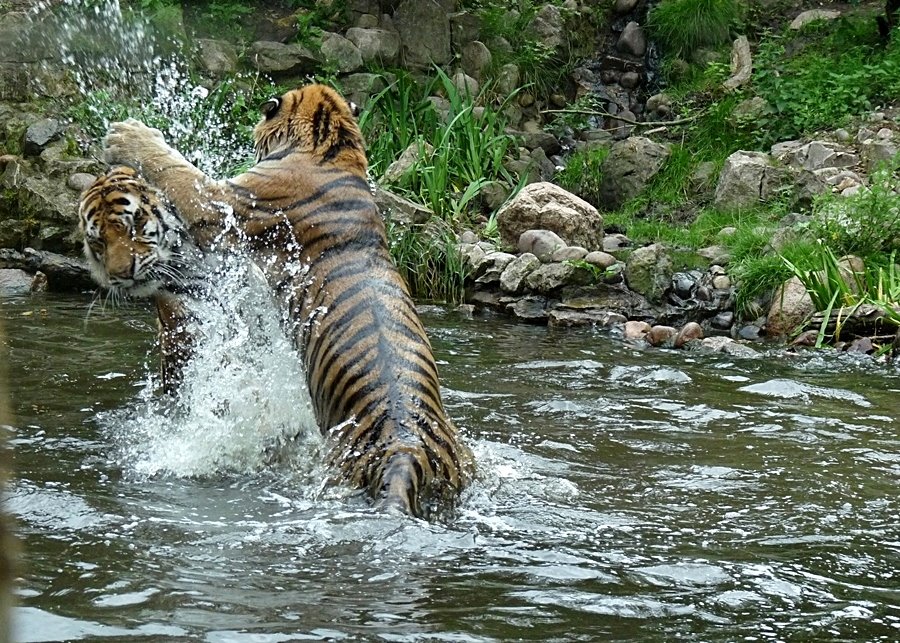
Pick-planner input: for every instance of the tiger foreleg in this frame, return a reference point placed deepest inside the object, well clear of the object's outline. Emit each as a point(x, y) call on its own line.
point(176, 342)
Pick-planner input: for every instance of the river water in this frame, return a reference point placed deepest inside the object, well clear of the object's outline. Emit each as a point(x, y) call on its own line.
point(625, 494)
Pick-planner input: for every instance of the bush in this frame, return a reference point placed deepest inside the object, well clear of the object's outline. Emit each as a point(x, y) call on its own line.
point(683, 26)
point(582, 175)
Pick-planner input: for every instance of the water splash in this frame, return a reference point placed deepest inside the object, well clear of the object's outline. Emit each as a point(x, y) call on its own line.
point(243, 403)
point(122, 65)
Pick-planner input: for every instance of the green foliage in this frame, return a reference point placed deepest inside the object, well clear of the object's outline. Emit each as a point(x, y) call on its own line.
point(582, 175)
point(682, 26)
point(839, 71)
point(428, 259)
point(866, 223)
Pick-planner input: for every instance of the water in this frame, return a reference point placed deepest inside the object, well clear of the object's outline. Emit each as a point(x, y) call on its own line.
point(624, 495)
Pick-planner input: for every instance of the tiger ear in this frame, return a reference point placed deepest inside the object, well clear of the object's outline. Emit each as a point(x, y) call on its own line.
point(270, 107)
point(354, 109)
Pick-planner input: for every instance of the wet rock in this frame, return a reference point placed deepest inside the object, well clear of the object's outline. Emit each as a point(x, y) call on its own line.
point(684, 284)
point(723, 321)
point(39, 135)
point(615, 274)
point(636, 329)
point(861, 345)
point(630, 79)
point(806, 338)
point(750, 332)
point(632, 40)
point(14, 282)
point(791, 305)
point(531, 309)
point(648, 271)
point(628, 168)
point(466, 311)
point(562, 317)
point(725, 345)
point(512, 279)
point(660, 335)
point(64, 274)
point(616, 298)
point(688, 333)
point(544, 206)
point(486, 299)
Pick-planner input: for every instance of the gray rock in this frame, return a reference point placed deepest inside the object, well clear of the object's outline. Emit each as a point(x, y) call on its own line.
point(661, 335)
point(541, 243)
point(648, 271)
point(281, 60)
point(39, 135)
point(817, 155)
point(791, 305)
point(625, 6)
point(715, 255)
point(80, 181)
point(547, 26)
point(399, 210)
point(563, 318)
point(424, 29)
point(616, 241)
point(376, 45)
point(688, 333)
point(568, 253)
point(628, 168)
point(811, 15)
point(491, 267)
point(464, 84)
point(750, 178)
point(531, 309)
point(512, 279)
point(723, 321)
point(624, 127)
point(508, 79)
point(632, 40)
point(14, 282)
point(464, 28)
point(636, 329)
point(550, 277)
point(602, 260)
point(468, 236)
point(724, 345)
point(876, 152)
point(630, 79)
point(545, 206)
point(359, 87)
point(741, 64)
point(218, 57)
point(660, 103)
point(341, 52)
point(475, 59)
point(407, 160)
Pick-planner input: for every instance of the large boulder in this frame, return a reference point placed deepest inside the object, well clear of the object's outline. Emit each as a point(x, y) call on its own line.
point(628, 168)
point(547, 26)
point(341, 52)
point(424, 28)
point(750, 178)
point(545, 206)
point(218, 57)
point(281, 60)
point(791, 305)
point(376, 45)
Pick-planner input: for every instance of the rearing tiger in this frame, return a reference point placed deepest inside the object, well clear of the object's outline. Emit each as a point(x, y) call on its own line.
point(306, 211)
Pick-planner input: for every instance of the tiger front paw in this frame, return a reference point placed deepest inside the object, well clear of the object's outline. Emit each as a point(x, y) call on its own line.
point(130, 142)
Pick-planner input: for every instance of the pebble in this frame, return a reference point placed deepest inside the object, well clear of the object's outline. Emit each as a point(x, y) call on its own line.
point(690, 331)
point(636, 329)
point(660, 335)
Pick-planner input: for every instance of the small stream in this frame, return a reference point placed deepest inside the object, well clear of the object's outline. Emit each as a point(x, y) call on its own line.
point(625, 494)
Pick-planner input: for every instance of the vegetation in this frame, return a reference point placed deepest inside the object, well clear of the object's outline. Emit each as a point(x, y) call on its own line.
point(683, 26)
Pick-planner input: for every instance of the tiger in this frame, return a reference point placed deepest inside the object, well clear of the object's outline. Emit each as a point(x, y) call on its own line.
point(136, 245)
point(306, 212)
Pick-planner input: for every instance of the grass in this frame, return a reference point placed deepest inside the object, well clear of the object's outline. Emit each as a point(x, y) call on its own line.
point(428, 259)
point(683, 26)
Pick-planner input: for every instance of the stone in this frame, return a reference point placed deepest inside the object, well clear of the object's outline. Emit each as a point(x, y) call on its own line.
point(568, 253)
point(40, 282)
point(750, 332)
point(531, 309)
point(816, 155)
point(39, 135)
point(625, 6)
point(636, 329)
point(812, 15)
point(741, 64)
point(464, 84)
point(80, 181)
point(468, 236)
point(660, 335)
point(464, 28)
point(407, 160)
point(721, 282)
point(512, 279)
point(399, 210)
point(628, 168)
point(507, 79)
point(630, 79)
point(749, 110)
point(375, 45)
point(14, 282)
point(562, 318)
point(623, 126)
point(340, 52)
point(660, 103)
point(360, 87)
point(424, 29)
point(723, 321)
point(550, 277)
point(616, 241)
point(715, 255)
point(602, 260)
point(217, 57)
point(281, 61)
point(541, 243)
point(791, 305)
point(545, 206)
point(632, 40)
point(749, 178)
point(491, 267)
point(876, 152)
point(688, 333)
point(725, 345)
point(475, 59)
point(547, 26)
point(648, 271)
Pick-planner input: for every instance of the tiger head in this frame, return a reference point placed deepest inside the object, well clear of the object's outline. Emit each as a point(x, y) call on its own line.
point(134, 242)
point(314, 120)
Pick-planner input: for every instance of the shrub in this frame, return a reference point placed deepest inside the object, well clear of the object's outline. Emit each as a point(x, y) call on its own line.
point(683, 26)
point(582, 175)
